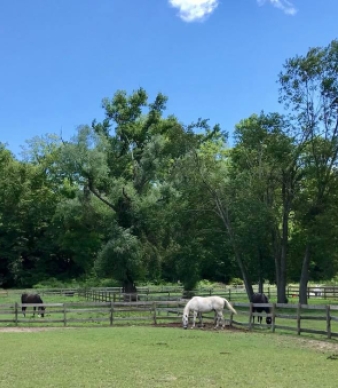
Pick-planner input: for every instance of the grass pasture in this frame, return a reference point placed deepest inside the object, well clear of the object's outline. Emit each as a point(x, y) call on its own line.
point(140, 357)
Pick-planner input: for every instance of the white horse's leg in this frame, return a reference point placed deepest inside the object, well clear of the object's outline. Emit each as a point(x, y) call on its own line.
point(200, 319)
point(194, 320)
point(219, 318)
point(215, 318)
point(222, 320)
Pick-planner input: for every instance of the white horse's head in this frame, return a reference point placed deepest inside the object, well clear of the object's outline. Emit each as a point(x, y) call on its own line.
point(185, 321)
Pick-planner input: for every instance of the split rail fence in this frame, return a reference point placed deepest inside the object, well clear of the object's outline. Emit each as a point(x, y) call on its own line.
point(287, 317)
point(175, 293)
point(232, 293)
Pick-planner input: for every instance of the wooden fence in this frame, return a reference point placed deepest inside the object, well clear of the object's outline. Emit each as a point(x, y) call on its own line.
point(325, 292)
point(110, 313)
point(232, 293)
point(155, 293)
point(151, 293)
point(299, 313)
point(161, 293)
point(68, 314)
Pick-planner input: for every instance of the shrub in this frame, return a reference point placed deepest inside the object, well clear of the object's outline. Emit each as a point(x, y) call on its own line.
point(236, 282)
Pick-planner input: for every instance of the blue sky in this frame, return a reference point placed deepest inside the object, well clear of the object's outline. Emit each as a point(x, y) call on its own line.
point(216, 59)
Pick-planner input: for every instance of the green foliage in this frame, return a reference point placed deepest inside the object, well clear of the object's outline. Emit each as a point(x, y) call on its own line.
point(236, 282)
point(56, 283)
point(121, 256)
point(88, 281)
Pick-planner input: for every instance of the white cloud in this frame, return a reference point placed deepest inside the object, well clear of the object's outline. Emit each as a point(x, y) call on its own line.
point(285, 5)
point(194, 10)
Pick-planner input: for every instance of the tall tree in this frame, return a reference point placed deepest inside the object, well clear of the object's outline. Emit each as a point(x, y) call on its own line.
point(309, 89)
point(124, 162)
point(266, 169)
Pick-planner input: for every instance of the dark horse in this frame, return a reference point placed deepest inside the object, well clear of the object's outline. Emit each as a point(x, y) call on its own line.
point(261, 298)
point(32, 299)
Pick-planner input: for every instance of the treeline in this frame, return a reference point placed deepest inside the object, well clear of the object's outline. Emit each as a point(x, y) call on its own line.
point(140, 196)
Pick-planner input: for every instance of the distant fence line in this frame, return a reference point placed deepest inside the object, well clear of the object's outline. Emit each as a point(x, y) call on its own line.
point(325, 292)
point(111, 313)
point(233, 293)
point(143, 293)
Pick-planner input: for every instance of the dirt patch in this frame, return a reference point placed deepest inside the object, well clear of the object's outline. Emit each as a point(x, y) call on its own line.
point(206, 327)
point(28, 329)
point(317, 344)
point(321, 345)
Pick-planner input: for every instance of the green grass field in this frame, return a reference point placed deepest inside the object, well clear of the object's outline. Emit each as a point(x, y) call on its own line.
point(163, 357)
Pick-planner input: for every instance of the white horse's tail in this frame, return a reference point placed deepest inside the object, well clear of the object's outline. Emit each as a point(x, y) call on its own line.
point(229, 306)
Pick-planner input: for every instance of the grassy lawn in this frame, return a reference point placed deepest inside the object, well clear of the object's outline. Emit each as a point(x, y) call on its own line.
point(163, 357)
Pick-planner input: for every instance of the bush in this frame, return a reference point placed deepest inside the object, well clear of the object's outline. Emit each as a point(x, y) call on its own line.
point(236, 282)
point(205, 284)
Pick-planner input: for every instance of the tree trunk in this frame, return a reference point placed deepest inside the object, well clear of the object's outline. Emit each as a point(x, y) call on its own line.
point(129, 289)
point(260, 277)
point(304, 277)
point(245, 275)
point(277, 252)
point(281, 298)
point(281, 266)
point(223, 213)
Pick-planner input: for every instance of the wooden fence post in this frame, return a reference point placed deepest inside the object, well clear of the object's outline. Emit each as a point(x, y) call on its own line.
point(16, 313)
point(231, 319)
point(111, 313)
point(250, 316)
point(273, 327)
point(154, 315)
point(328, 321)
point(298, 319)
point(64, 315)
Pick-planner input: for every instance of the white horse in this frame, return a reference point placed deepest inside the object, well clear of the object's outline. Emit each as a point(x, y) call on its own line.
point(201, 305)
